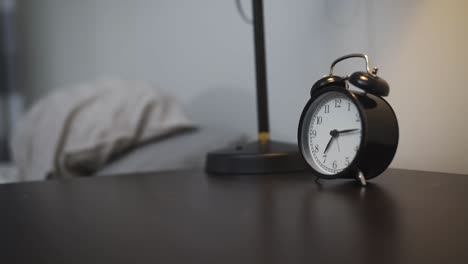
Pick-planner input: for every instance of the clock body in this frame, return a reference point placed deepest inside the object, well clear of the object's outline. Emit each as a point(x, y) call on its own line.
point(343, 133)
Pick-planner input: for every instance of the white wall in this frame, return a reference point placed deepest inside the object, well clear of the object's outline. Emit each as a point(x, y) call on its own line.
point(203, 51)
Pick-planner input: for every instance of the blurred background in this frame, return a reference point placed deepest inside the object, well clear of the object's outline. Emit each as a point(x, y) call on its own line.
point(202, 51)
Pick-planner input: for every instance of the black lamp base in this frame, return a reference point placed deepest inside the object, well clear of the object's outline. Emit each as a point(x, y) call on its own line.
point(256, 158)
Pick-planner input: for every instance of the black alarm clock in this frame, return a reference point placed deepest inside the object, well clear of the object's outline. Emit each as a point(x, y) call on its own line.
point(347, 133)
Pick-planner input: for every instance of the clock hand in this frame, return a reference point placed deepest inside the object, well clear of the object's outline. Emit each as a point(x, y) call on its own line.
point(333, 134)
point(329, 144)
point(347, 131)
point(338, 144)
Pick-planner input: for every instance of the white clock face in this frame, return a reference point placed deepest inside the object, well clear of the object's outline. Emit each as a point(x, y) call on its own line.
point(332, 133)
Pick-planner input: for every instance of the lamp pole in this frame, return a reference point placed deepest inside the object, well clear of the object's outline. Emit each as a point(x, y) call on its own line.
point(261, 71)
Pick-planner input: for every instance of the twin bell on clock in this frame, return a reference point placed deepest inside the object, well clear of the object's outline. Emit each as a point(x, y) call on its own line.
point(348, 133)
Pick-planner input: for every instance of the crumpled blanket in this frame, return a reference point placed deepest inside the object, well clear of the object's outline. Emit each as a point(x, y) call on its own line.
point(75, 132)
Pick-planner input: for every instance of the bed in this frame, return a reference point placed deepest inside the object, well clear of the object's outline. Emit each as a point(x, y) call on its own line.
point(114, 127)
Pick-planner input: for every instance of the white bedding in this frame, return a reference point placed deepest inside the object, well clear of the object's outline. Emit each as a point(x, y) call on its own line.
point(75, 132)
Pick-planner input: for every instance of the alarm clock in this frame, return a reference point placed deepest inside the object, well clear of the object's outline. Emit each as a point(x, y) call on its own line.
point(344, 133)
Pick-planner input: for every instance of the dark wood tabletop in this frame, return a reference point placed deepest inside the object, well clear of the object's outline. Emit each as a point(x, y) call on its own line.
point(188, 217)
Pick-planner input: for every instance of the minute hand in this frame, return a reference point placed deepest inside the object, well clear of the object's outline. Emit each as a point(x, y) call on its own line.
point(347, 131)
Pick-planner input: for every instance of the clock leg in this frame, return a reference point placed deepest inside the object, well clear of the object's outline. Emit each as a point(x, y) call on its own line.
point(361, 179)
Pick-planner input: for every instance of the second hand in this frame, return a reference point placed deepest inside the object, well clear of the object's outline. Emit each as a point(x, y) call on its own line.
point(338, 143)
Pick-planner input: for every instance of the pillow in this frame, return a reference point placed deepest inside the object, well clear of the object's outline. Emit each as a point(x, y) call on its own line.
point(75, 132)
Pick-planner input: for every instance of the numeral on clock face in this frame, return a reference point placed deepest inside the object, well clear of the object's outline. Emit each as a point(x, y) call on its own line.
point(337, 103)
point(316, 148)
point(313, 133)
point(346, 161)
point(358, 117)
point(319, 120)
